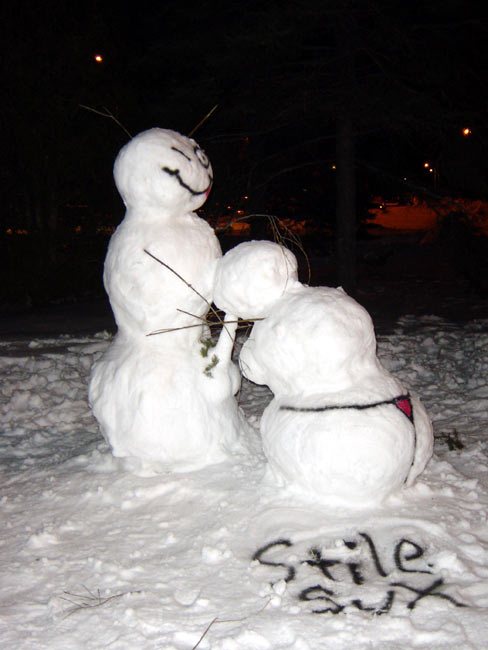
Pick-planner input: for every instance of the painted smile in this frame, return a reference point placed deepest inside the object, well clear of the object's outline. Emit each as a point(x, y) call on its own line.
point(176, 174)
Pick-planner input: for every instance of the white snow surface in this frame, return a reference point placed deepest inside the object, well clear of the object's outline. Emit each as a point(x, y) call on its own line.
point(95, 556)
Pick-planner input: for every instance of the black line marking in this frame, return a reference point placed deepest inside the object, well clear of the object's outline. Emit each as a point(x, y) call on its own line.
point(374, 555)
point(417, 552)
point(201, 157)
point(359, 407)
point(428, 591)
point(356, 574)
point(336, 609)
point(279, 542)
point(383, 609)
point(177, 175)
point(182, 153)
point(324, 565)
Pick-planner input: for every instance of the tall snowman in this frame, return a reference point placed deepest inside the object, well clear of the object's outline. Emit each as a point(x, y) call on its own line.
point(164, 399)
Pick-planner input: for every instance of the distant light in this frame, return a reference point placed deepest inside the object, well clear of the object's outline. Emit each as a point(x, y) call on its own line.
point(426, 165)
point(98, 58)
point(333, 167)
point(466, 131)
point(431, 170)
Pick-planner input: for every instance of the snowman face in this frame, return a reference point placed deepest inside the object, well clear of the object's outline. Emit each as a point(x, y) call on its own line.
point(183, 167)
point(163, 170)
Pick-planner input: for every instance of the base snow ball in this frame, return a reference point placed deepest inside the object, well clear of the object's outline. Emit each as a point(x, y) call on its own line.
point(165, 399)
point(340, 428)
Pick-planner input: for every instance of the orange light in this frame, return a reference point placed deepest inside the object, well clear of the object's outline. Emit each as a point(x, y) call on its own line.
point(466, 131)
point(426, 165)
point(98, 58)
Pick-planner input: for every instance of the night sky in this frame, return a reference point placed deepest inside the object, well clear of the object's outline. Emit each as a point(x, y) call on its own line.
point(409, 76)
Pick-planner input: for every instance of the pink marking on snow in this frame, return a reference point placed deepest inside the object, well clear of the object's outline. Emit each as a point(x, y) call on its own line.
point(405, 406)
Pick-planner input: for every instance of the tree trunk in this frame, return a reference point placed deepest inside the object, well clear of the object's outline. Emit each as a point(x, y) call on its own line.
point(345, 205)
point(346, 176)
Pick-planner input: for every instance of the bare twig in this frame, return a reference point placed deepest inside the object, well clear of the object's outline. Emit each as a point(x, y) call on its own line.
point(190, 286)
point(229, 620)
point(277, 226)
point(204, 633)
point(202, 121)
point(87, 601)
point(106, 113)
point(243, 325)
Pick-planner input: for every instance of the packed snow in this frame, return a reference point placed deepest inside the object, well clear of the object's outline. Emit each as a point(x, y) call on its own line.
point(96, 556)
point(340, 428)
point(164, 400)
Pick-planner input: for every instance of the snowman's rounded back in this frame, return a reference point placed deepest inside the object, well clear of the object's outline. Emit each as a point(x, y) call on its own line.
point(314, 340)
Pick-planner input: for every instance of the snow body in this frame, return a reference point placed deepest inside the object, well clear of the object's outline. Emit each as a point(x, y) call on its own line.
point(153, 395)
point(333, 429)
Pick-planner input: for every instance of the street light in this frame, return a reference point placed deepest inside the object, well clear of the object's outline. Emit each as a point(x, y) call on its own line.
point(432, 170)
point(466, 131)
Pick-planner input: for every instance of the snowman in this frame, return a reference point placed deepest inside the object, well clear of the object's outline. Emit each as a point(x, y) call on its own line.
point(340, 428)
point(164, 399)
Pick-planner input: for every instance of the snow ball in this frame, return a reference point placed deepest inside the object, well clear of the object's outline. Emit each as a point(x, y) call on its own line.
point(251, 277)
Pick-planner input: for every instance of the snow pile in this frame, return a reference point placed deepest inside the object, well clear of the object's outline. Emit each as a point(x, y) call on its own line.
point(95, 557)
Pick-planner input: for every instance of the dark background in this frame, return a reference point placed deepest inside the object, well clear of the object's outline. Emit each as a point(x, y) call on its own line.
point(321, 106)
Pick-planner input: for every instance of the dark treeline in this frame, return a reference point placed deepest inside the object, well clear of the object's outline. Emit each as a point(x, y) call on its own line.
point(320, 104)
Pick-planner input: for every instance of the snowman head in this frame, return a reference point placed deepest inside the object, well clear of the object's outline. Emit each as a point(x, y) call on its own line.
point(162, 171)
point(251, 277)
point(314, 340)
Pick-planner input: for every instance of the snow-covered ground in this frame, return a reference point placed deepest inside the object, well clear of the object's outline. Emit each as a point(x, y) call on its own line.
point(93, 556)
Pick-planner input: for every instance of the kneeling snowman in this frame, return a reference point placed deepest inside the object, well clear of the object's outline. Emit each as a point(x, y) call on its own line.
point(340, 428)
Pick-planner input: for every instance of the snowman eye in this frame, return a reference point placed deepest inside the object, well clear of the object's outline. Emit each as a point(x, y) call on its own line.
point(201, 157)
point(181, 153)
